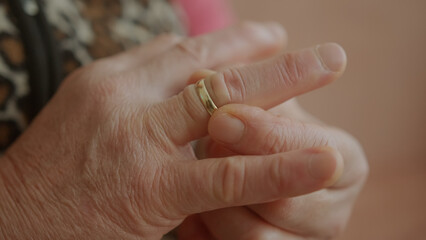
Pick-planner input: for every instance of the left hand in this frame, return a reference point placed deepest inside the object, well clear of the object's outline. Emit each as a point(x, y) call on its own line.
point(287, 127)
point(109, 156)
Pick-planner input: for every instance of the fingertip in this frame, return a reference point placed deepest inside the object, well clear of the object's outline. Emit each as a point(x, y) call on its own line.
point(332, 57)
point(226, 128)
point(234, 121)
point(338, 172)
point(326, 164)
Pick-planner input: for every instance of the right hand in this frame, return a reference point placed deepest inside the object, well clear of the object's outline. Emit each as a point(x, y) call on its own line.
point(240, 129)
point(237, 129)
point(109, 157)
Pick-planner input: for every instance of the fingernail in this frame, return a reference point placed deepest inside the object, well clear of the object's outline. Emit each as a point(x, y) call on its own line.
point(326, 164)
point(226, 128)
point(332, 56)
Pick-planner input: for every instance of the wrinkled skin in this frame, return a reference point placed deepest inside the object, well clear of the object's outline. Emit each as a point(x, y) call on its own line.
point(109, 156)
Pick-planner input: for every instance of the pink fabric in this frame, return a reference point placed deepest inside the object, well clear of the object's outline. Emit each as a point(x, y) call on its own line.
point(206, 15)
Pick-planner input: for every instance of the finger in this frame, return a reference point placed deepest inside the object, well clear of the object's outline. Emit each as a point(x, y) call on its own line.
point(243, 129)
point(241, 223)
point(266, 84)
point(245, 42)
point(251, 130)
point(323, 213)
point(193, 228)
point(236, 181)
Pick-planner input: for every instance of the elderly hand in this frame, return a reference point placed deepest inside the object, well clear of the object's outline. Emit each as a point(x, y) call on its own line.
point(109, 156)
point(241, 129)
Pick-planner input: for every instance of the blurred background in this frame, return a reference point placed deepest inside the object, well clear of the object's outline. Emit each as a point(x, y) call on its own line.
point(381, 99)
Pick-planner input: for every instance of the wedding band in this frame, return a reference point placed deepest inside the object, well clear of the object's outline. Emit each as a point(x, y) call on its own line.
point(205, 97)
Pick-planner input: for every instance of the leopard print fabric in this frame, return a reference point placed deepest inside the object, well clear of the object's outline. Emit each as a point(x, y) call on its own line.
point(86, 30)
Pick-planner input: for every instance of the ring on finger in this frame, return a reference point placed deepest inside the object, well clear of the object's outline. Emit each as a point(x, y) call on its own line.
point(205, 98)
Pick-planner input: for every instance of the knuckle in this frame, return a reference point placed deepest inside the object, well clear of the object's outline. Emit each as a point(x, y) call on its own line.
point(319, 135)
point(152, 118)
point(191, 104)
point(186, 106)
point(310, 135)
point(290, 69)
point(104, 89)
point(275, 140)
point(288, 134)
point(282, 174)
point(91, 84)
point(229, 188)
point(195, 51)
point(233, 80)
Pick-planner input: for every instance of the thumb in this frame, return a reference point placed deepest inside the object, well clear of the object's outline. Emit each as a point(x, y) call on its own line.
point(243, 180)
point(245, 130)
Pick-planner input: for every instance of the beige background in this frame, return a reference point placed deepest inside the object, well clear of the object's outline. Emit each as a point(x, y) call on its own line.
point(381, 99)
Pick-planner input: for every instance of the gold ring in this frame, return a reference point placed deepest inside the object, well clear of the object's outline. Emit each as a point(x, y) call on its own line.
point(205, 97)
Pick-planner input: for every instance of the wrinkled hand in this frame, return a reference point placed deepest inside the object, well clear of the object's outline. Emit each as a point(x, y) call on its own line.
point(109, 156)
point(241, 129)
